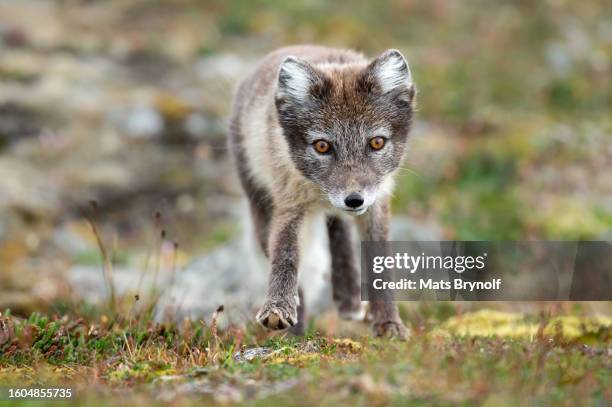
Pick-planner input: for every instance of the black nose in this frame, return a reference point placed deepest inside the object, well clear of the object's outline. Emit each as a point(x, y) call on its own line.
point(354, 200)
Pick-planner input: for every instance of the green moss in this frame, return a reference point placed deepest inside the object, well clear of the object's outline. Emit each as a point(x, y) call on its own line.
point(570, 219)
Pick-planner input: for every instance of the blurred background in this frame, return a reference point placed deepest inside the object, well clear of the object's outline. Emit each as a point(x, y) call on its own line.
point(125, 103)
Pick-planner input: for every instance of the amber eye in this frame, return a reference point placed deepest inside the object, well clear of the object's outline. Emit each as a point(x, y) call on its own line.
point(322, 146)
point(377, 143)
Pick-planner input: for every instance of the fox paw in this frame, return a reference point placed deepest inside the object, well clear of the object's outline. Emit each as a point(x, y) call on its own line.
point(390, 329)
point(277, 315)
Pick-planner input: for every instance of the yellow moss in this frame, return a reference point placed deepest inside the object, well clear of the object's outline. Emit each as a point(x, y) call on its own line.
point(297, 359)
point(511, 325)
point(144, 372)
point(348, 345)
point(172, 107)
point(41, 373)
point(572, 327)
point(304, 356)
point(17, 375)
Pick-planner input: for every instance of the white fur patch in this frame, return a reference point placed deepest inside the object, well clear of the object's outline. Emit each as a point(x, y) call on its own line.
point(313, 135)
point(393, 73)
point(297, 80)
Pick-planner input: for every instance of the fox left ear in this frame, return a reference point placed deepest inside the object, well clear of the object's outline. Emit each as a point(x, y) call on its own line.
point(297, 79)
point(390, 72)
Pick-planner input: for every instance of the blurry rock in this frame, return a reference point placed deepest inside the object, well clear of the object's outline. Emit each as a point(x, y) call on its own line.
point(14, 37)
point(46, 288)
point(227, 66)
point(19, 302)
point(404, 228)
point(4, 226)
point(114, 174)
point(148, 66)
point(559, 59)
point(72, 238)
point(11, 74)
point(26, 191)
point(139, 121)
point(17, 122)
point(88, 282)
point(225, 276)
point(184, 124)
point(199, 126)
point(365, 383)
point(223, 393)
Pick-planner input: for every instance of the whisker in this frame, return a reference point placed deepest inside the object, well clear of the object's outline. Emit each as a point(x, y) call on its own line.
point(409, 170)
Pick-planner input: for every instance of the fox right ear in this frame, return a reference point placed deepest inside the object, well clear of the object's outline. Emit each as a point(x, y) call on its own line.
point(297, 79)
point(390, 72)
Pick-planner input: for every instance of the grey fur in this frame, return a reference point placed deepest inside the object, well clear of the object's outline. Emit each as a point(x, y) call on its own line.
point(346, 286)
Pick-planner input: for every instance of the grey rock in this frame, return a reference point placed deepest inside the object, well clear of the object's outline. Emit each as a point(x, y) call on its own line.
point(26, 189)
point(227, 66)
point(404, 228)
point(90, 284)
point(3, 228)
point(70, 242)
point(198, 126)
point(226, 276)
point(18, 122)
point(247, 355)
point(139, 121)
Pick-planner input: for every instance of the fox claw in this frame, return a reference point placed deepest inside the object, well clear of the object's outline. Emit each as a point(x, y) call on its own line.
point(277, 315)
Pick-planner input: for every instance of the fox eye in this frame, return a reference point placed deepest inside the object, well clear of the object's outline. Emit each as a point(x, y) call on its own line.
point(322, 146)
point(377, 143)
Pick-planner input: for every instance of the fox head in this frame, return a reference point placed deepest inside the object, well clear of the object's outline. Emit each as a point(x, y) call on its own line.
point(346, 125)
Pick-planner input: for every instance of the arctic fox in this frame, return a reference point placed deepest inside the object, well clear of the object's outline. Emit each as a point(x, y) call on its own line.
point(316, 129)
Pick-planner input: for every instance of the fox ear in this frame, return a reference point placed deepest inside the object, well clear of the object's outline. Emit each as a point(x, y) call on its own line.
point(297, 79)
point(389, 72)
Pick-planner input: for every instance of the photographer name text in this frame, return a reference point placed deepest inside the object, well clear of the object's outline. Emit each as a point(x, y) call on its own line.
point(431, 284)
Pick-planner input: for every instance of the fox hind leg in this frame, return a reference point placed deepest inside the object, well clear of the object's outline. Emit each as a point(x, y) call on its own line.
point(346, 286)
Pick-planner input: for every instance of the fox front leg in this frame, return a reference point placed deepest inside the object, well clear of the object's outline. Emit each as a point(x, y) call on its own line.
point(280, 309)
point(374, 226)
